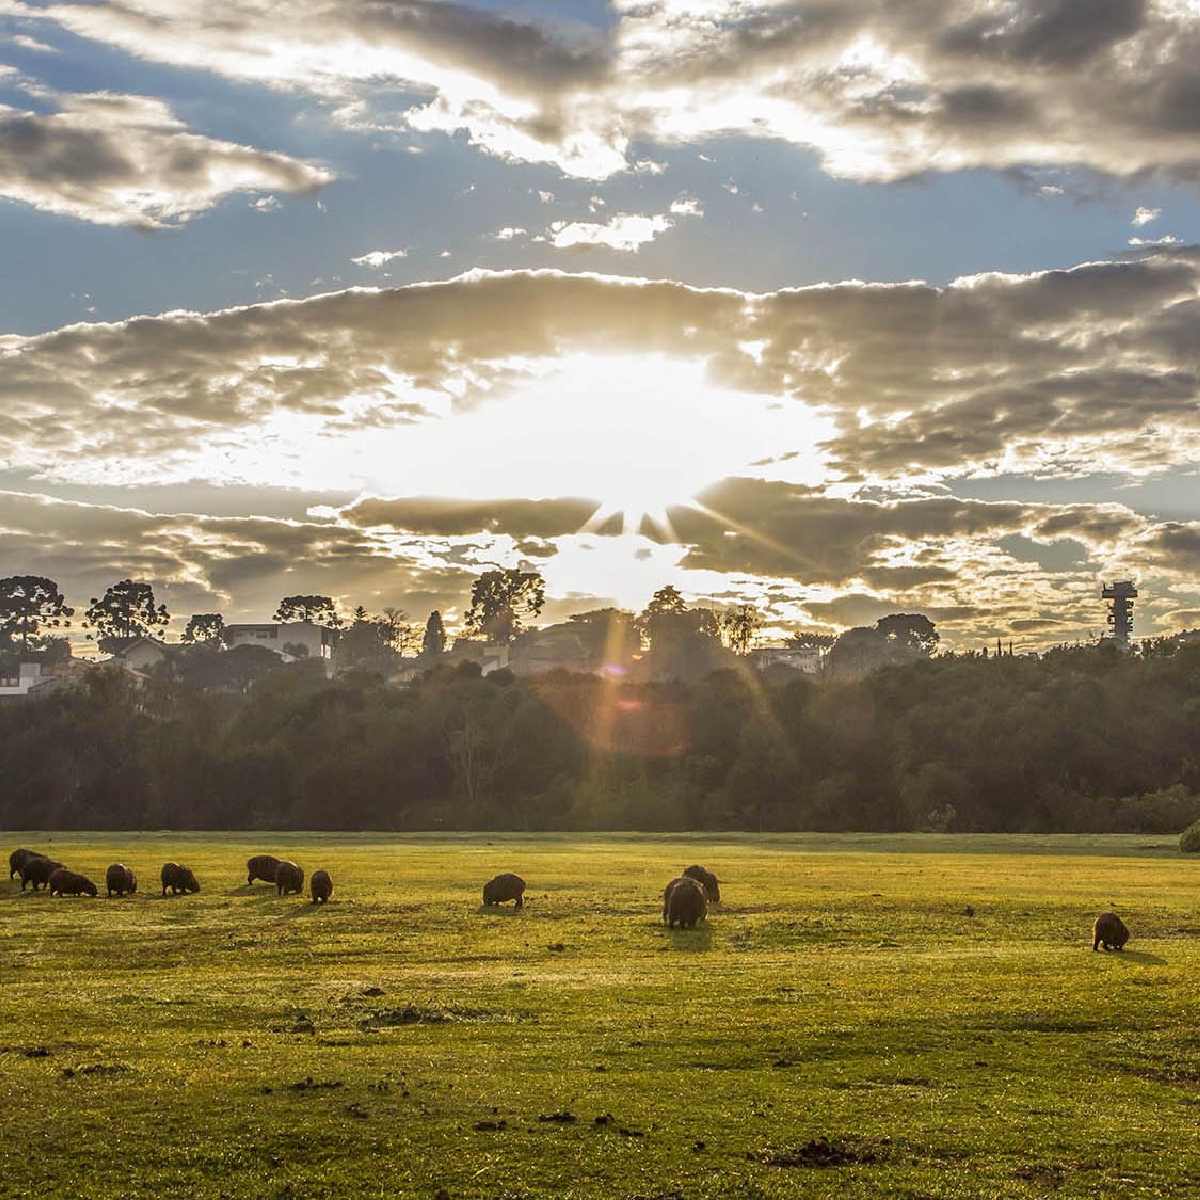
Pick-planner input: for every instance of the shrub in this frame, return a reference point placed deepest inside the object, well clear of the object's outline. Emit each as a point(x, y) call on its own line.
point(1189, 839)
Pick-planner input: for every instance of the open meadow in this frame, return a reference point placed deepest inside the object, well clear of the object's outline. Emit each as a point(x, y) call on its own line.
point(840, 1025)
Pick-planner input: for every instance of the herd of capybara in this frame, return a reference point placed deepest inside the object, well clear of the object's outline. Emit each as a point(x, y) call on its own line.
point(685, 900)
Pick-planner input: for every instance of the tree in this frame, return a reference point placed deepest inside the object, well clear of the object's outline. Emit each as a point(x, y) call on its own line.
point(127, 610)
point(740, 625)
point(204, 628)
point(804, 639)
point(434, 641)
point(500, 598)
point(374, 643)
point(319, 610)
point(910, 633)
point(29, 602)
point(665, 600)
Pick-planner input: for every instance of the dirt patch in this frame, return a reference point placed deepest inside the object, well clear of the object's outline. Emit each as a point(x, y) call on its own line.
point(412, 1014)
point(821, 1152)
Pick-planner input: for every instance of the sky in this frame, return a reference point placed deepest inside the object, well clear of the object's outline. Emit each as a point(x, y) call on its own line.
point(837, 308)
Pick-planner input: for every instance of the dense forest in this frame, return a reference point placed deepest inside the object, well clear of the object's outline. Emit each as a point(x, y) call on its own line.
point(1086, 738)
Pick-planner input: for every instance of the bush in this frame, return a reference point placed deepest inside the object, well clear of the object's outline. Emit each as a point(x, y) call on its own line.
point(1189, 839)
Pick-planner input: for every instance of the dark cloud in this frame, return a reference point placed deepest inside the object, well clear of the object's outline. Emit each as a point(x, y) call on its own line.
point(441, 517)
point(125, 160)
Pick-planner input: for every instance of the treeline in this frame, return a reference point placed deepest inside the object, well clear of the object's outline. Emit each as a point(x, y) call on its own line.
point(1083, 739)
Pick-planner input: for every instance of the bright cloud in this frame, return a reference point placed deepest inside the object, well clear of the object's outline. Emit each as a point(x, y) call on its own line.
point(379, 258)
point(623, 232)
point(880, 92)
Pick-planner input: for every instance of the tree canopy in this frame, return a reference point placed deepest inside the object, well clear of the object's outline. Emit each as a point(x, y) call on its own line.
point(127, 610)
point(320, 610)
point(29, 604)
point(499, 601)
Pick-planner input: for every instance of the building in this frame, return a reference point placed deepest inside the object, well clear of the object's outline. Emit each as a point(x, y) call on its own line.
point(806, 659)
point(293, 641)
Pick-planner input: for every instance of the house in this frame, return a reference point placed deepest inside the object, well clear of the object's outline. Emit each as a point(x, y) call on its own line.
point(18, 686)
point(140, 654)
point(491, 656)
point(36, 679)
point(807, 659)
point(555, 648)
point(291, 640)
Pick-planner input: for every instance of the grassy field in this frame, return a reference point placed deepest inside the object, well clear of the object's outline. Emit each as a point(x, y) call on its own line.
point(840, 1026)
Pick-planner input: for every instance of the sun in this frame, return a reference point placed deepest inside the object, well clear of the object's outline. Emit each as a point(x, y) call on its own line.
point(638, 433)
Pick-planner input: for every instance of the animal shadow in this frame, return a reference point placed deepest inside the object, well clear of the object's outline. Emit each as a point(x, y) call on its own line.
point(695, 941)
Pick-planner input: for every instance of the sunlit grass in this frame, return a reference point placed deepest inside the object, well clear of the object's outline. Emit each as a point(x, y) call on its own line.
point(234, 1043)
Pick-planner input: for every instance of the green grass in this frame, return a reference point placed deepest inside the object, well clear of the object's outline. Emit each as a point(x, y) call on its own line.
point(182, 1047)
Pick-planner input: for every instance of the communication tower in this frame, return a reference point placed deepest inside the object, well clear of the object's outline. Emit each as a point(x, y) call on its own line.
point(1120, 596)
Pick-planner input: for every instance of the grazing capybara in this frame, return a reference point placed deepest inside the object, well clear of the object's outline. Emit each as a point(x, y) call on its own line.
point(18, 858)
point(119, 879)
point(67, 883)
point(37, 870)
point(322, 886)
point(707, 880)
point(505, 887)
point(1109, 932)
point(288, 877)
point(261, 866)
point(178, 878)
point(684, 901)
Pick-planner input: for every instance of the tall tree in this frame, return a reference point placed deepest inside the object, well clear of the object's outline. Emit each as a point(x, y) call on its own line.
point(434, 641)
point(28, 603)
point(205, 628)
point(127, 610)
point(912, 633)
point(320, 610)
point(500, 598)
point(739, 626)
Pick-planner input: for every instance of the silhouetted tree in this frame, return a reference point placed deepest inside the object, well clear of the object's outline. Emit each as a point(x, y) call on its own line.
point(204, 628)
point(500, 598)
point(434, 641)
point(27, 604)
point(740, 625)
point(127, 610)
point(909, 632)
point(320, 610)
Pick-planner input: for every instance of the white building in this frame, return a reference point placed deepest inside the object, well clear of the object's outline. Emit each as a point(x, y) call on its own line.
point(291, 640)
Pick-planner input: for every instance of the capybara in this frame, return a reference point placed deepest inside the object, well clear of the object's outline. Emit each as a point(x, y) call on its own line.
point(1109, 932)
point(288, 877)
point(322, 886)
point(505, 887)
point(707, 880)
point(18, 858)
point(119, 879)
point(684, 901)
point(178, 878)
point(261, 866)
point(37, 870)
point(67, 883)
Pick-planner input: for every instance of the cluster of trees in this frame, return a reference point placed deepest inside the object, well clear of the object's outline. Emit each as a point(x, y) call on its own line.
point(686, 643)
point(1080, 739)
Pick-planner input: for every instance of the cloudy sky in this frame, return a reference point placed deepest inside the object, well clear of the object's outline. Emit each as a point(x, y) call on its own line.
point(836, 307)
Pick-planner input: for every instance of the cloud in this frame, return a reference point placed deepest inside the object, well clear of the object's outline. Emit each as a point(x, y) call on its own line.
point(442, 517)
point(126, 160)
point(624, 232)
point(1144, 216)
point(379, 258)
point(1086, 371)
point(879, 91)
point(238, 565)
